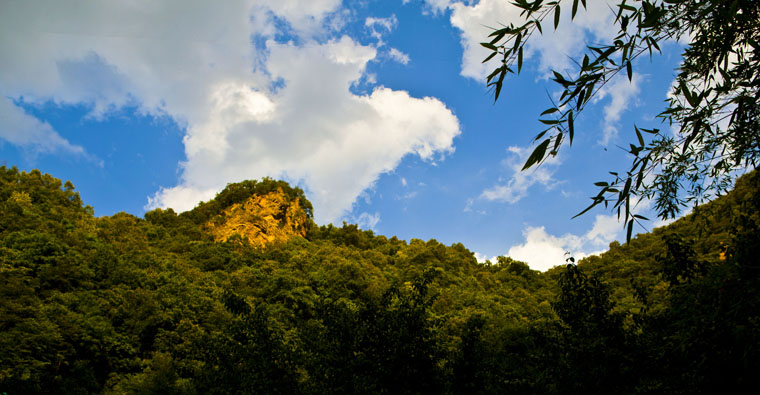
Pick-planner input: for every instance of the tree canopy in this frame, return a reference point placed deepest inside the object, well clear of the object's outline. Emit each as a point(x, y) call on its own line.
point(715, 102)
point(123, 304)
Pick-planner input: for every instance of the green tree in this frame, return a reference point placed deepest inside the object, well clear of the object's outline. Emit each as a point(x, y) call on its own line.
point(595, 358)
point(249, 357)
point(715, 102)
point(380, 347)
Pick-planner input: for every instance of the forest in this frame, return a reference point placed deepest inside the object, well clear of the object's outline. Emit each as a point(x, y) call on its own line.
point(159, 304)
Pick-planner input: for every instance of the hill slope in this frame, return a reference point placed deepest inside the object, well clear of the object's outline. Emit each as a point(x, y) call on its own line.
point(246, 294)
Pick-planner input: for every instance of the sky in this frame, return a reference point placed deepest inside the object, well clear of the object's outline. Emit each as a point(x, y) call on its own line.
point(377, 109)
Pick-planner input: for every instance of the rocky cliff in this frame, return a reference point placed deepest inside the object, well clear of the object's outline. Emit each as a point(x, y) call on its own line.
point(262, 219)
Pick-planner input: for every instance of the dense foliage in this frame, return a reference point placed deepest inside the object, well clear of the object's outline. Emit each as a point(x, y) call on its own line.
point(122, 304)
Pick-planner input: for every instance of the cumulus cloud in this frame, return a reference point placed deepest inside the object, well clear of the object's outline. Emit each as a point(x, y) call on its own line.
point(519, 182)
point(316, 131)
point(543, 251)
point(249, 108)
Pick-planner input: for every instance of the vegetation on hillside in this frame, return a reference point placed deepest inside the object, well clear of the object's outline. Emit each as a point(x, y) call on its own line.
point(123, 304)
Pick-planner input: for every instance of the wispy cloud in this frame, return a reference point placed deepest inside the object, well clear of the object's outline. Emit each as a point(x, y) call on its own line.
point(623, 96)
point(25, 130)
point(367, 221)
point(515, 187)
point(380, 26)
point(398, 56)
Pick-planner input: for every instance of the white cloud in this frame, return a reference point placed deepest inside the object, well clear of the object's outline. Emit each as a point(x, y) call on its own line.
point(180, 198)
point(482, 258)
point(477, 21)
point(437, 6)
point(518, 184)
point(19, 128)
point(305, 17)
point(398, 56)
point(388, 24)
point(380, 26)
point(543, 251)
point(605, 228)
point(195, 62)
point(335, 142)
point(408, 195)
point(623, 96)
point(367, 221)
point(468, 207)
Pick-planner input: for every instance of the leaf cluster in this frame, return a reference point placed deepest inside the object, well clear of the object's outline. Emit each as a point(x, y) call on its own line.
point(714, 104)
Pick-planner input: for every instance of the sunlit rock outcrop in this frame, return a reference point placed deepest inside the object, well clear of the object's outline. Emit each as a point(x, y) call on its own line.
point(262, 219)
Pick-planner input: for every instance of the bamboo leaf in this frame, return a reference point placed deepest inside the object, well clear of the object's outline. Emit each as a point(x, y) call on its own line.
point(687, 94)
point(575, 9)
point(490, 57)
point(570, 127)
point(537, 155)
point(519, 59)
point(490, 46)
point(549, 121)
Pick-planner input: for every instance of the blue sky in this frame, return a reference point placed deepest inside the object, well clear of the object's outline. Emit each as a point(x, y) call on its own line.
point(377, 109)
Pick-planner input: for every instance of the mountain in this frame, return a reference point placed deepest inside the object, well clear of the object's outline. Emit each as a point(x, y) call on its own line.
point(246, 294)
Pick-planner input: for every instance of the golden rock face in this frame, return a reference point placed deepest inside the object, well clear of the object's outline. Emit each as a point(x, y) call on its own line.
point(262, 219)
